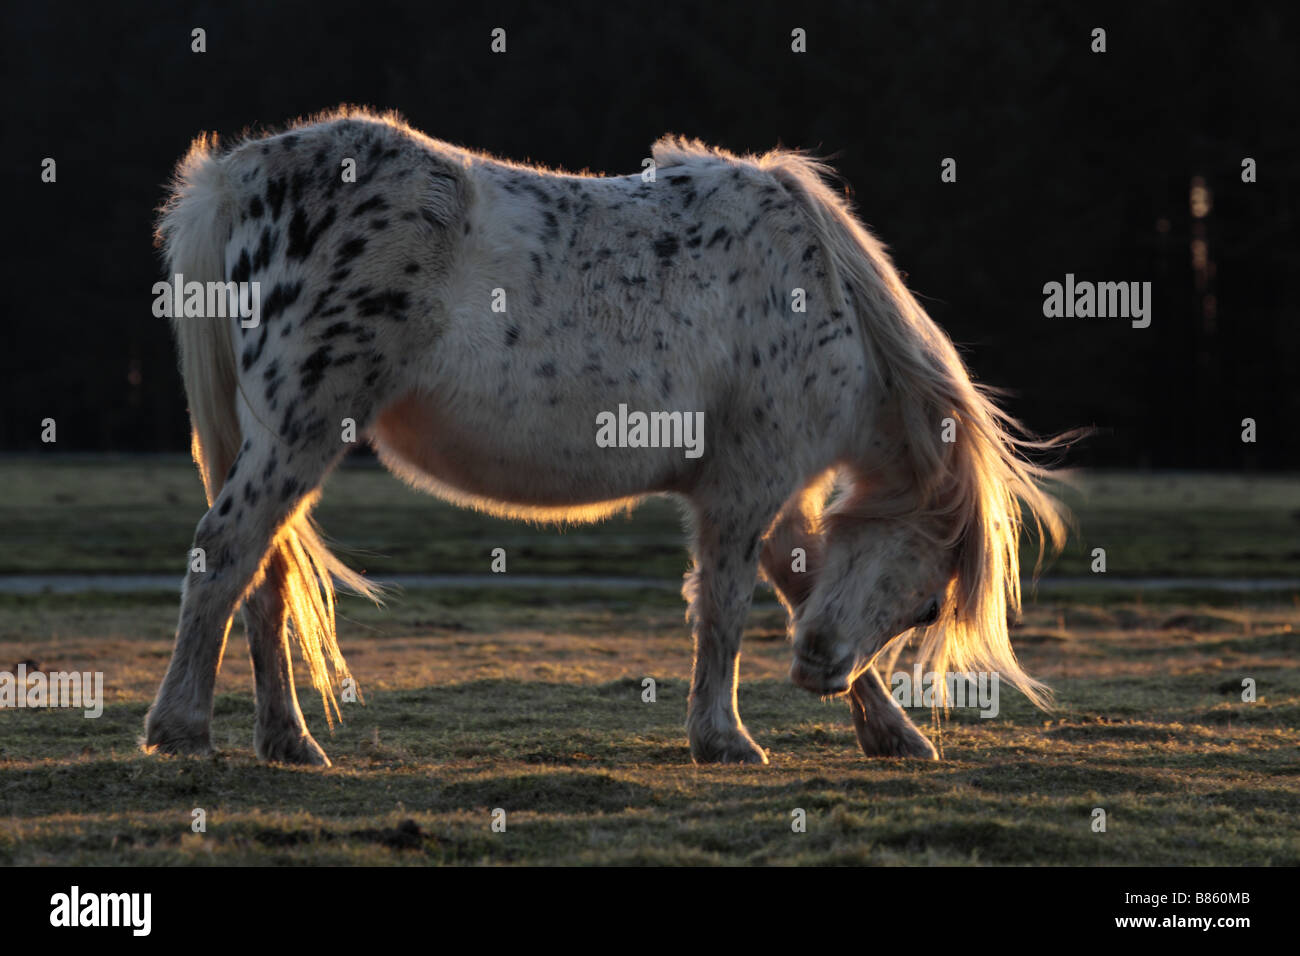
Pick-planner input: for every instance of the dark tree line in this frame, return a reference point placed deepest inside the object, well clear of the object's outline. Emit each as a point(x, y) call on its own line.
point(1068, 161)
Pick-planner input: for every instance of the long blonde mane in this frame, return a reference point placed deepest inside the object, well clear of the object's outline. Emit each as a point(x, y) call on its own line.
point(982, 484)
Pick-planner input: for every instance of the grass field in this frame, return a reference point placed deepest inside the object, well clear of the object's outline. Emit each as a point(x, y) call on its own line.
point(530, 700)
point(138, 516)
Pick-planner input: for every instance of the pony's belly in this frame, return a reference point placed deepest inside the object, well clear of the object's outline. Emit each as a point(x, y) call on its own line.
point(491, 457)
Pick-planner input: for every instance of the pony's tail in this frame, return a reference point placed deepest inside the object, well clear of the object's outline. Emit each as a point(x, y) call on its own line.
point(985, 482)
point(194, 226)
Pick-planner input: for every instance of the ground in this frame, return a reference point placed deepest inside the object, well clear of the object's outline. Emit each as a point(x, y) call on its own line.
point(530, 700)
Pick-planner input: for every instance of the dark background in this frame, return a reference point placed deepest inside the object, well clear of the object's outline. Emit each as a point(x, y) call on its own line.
point(1068, 161)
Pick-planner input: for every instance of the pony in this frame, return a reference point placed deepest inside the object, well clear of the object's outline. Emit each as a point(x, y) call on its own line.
point(480, 321)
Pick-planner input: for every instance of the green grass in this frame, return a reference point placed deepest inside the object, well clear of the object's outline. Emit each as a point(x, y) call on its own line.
point(138, 516)
point(529, 700)
point(534, 706)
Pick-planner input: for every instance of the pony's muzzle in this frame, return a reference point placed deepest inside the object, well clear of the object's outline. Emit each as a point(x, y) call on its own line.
point(818, 676)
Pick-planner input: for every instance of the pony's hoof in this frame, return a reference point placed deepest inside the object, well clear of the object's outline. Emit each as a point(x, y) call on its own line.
point(299, 749)
point(731, 750)
point(176, 741)
point(908, 743)
point(882, 727)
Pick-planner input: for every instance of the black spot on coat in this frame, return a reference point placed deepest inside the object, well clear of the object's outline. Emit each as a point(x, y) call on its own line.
point(302, 239)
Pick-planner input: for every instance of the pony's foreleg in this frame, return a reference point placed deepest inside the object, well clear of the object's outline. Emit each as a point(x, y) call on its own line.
point(719, 591)
point(281, 733)
point(882, 726)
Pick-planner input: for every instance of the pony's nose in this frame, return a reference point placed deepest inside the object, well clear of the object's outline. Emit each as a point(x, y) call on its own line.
point(817, 676)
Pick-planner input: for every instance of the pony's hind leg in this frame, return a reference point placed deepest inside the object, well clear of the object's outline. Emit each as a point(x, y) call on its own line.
point(235, 536)
point(280, 734)
point(882, 726)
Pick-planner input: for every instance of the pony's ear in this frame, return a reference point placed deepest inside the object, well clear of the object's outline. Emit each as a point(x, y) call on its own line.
point(793, 586)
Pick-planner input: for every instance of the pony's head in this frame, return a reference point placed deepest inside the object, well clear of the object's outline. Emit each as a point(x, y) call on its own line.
point(878, 578)
point(938, 560)
point(927, 536)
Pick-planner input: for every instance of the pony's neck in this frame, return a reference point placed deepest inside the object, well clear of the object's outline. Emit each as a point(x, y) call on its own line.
point(883, 463)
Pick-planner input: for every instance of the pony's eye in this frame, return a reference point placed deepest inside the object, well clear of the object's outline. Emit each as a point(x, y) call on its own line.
point(930, 614)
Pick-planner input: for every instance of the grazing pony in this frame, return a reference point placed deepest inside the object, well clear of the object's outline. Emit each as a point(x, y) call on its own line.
point(484, 323)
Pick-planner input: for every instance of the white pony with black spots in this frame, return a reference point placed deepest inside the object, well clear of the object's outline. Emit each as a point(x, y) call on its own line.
point(474, 318)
